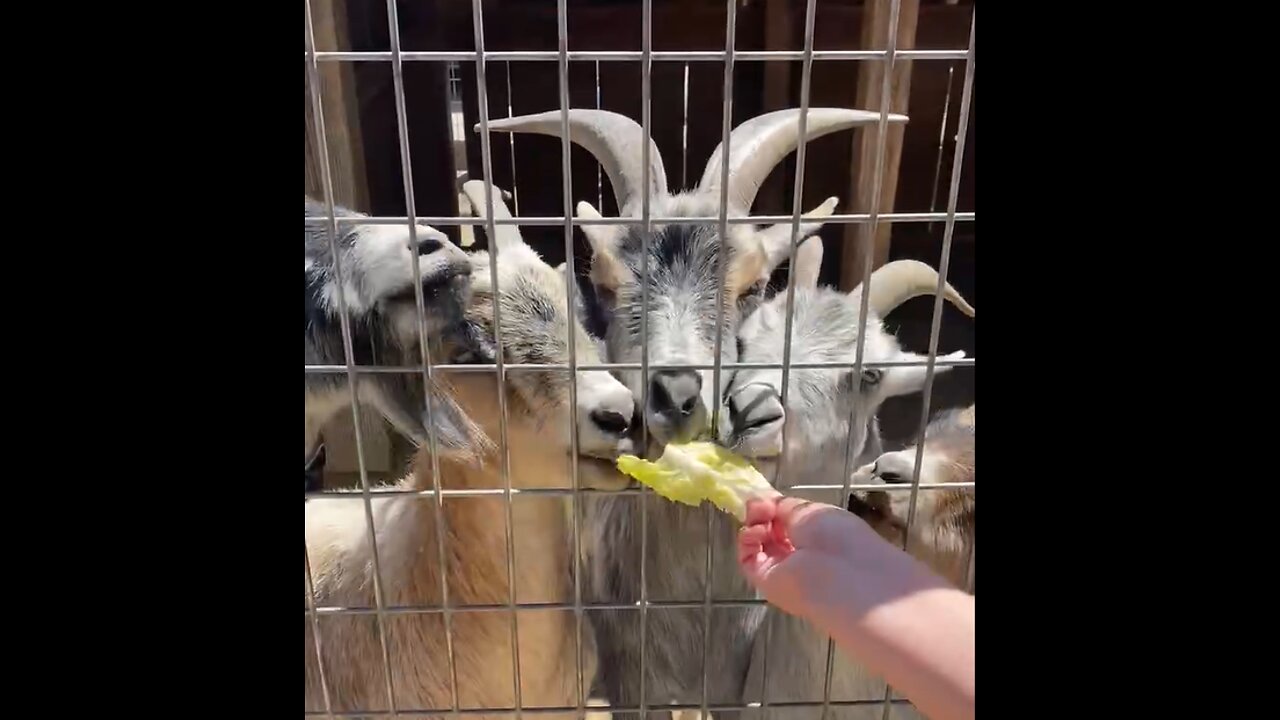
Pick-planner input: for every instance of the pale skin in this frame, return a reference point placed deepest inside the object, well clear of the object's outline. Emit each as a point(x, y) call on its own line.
point(880, 605)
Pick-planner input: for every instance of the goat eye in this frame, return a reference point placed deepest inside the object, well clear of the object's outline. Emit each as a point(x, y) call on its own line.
point(872, 376)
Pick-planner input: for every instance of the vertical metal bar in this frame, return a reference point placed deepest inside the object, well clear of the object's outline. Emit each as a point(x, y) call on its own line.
point(322, 143)
point(571, 286)
point(806, 75)
point(646, 93)
point(942, 143)
point(599, 167)
point(428, 375)
point(957, 166)
point(486, 160)
point(856, 419)
point(726, 122)
point(511, 140)
point(684, 125)
point(315, 632)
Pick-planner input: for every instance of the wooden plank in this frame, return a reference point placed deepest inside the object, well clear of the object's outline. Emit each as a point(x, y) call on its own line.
point(779, 34)
point(341, 114)
point(859, 238)
point(339, 438)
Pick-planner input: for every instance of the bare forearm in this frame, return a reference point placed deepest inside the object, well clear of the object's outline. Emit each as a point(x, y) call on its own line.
point(903, 623)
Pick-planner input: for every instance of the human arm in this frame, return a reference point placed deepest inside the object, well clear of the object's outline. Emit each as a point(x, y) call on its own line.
point(880, 605)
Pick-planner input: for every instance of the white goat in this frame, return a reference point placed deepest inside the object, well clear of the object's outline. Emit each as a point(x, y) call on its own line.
point(824, 329)
point(531, 297)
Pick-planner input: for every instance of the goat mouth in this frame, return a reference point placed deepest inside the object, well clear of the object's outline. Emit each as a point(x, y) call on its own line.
point(431, 287)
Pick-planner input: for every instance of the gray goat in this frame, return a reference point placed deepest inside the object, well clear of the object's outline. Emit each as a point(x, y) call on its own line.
point(379, 291)
point(824, 329)
point(679, 276)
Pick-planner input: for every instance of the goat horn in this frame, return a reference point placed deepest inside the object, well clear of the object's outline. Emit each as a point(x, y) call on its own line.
point(897, 282)
point(507, 235)
point(808, 262)
point(759, 144)
point(615, 141)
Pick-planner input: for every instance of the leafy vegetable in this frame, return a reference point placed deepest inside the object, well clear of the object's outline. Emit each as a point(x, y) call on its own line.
point(692, 472)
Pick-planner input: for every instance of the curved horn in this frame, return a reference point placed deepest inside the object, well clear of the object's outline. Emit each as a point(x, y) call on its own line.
point(897, 282)
point(613, 139)
point(759, 144)
point(507, 235)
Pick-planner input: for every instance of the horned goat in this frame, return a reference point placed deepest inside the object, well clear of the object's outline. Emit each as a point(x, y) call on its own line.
point(817, 428)
point(679, 276)
point(530, 299)
point(378, 287)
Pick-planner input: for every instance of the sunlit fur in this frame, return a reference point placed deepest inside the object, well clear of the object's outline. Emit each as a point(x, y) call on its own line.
point(682, 279)
point(535, 322)
point(820, 401)
point(379, 295)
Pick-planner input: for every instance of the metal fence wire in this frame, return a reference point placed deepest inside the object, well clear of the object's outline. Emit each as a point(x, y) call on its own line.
point(383, 613)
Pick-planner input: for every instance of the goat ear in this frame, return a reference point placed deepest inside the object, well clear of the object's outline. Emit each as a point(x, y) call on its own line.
point(749, 267)
point(607, 270)
point(910, 379)
point(808, 262)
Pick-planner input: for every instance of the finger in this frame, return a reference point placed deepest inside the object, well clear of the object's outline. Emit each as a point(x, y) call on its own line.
point(751, 542)
point(779, 542)
point(761, 511)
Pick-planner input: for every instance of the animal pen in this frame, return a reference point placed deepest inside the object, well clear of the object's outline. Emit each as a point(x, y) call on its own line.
point(406, 146)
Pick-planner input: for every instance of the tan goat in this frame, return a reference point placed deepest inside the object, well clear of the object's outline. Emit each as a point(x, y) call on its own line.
point(535, 325)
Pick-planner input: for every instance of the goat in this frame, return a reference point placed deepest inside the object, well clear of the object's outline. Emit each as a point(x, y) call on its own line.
point(530, 297)
point(817, 429)
point(942, 532)
point(378, 286)
point(680, 277)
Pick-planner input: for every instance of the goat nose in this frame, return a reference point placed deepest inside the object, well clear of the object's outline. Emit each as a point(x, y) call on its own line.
point(753, 407)
point(610, 422)
point(675, 392)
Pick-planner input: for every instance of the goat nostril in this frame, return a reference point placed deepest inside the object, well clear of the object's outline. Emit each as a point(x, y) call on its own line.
point(687, 407)
point(892, 478)
point(428, 245)
point(610, 421)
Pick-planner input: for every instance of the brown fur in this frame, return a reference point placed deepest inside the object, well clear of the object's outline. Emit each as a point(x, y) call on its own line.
point(337, 541)
point(942, 534)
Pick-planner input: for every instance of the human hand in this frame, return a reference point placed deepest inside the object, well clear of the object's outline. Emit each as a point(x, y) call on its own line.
point(797, 552)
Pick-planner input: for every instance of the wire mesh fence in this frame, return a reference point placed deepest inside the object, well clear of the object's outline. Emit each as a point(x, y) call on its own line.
point(471, 592)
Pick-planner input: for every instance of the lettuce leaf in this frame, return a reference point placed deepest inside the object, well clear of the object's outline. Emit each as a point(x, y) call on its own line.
point(692, 472)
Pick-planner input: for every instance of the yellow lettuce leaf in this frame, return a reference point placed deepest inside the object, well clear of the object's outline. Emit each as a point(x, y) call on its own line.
point(692, 472)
